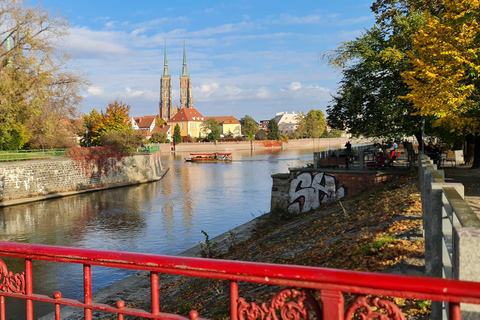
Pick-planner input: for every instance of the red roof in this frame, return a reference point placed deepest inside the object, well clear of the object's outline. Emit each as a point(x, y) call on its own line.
point(163, 128)
point(187, 114)
point(224, 120)
point(145, 121)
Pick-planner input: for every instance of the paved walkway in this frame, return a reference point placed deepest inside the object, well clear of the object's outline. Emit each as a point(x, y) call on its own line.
point(470, 178)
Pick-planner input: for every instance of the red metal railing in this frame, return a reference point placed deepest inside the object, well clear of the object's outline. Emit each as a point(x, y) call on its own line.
point(330, 282)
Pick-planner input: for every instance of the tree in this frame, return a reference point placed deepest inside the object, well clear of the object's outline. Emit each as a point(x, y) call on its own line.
point(126, 140)
point(159, 137)
point(249, 127)
point(115, 118)
point(261, 135)
point(311, 125)
point(177, 134)
point(38, 88)
point(368, 100)
point(273, 130)
point(445, 79)
point(211, 129)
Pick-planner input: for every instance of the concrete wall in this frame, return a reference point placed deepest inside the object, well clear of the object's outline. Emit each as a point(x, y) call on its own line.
point(305, 189)
point(314, 144)
point(25, 179)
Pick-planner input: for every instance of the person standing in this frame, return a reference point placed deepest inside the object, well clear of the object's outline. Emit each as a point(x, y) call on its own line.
point(348, 147)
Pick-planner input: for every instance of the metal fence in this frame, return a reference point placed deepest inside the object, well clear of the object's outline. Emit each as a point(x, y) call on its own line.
point(294, 302)
point(20, 155)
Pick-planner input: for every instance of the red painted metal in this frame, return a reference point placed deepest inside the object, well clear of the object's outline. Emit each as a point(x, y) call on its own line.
point(87, 290)
point(29, 288)
point(154, 290)
point(293, 302)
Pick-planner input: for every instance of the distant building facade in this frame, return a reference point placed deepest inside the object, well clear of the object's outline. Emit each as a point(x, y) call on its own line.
point(287, 123)
point(229, 124)
point(189, 120)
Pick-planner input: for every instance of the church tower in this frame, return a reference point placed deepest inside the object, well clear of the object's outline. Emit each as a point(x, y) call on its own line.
point(186, 97)
point(165, 104)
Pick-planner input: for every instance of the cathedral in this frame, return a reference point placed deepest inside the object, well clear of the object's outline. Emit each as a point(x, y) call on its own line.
point(166, 110)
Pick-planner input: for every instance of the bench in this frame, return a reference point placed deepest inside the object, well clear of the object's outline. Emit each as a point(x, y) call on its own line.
point(334, 162)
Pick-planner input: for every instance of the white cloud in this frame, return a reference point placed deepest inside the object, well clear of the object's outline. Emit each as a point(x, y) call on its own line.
point(110, 24)
point(292, 20)
point(294, 86)
point(349, 22)
point(262, 93)
point(95, 91)
point(133, 93)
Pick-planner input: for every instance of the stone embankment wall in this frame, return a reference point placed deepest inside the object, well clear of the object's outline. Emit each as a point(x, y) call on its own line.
point(305, 189)
point(314, 144)
point(26, 179)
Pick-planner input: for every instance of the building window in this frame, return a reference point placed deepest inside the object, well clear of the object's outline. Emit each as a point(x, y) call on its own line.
point(181, 126)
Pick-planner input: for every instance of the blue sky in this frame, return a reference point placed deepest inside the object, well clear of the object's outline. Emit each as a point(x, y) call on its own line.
point(244, 57)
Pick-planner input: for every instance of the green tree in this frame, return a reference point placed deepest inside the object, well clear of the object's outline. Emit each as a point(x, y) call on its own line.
point(273, 130)
point(126, 140)
point(38, 89)
point(261, 135)
point(249, 127)
point(177, 134)
point(159, 137)
point(311, 125)
point(211, 129)
point(367, 102)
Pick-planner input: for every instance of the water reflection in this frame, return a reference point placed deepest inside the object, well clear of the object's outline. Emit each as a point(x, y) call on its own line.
point(165, 217)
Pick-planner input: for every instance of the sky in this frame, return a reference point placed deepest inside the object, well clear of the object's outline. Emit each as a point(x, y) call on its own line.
point(244, 57)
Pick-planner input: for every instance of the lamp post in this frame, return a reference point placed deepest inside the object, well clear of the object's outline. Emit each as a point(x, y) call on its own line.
point(86, 137)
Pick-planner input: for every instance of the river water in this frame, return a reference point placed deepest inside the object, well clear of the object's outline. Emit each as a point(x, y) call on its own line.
point(164, 217)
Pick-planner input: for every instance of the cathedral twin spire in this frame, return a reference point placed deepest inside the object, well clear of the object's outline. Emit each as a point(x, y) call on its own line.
point(186, 97)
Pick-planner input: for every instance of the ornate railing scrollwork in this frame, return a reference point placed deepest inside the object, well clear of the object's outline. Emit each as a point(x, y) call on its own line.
point(294, 309)
point(391, 310)
point(12, 283)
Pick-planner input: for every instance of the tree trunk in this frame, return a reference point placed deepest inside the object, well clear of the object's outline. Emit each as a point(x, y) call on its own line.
point(470, 148)
point(476, 156)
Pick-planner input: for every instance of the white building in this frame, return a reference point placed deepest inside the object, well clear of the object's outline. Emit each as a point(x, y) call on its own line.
point(287, 122)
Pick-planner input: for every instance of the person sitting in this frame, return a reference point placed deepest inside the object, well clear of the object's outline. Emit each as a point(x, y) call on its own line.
point(393, 148)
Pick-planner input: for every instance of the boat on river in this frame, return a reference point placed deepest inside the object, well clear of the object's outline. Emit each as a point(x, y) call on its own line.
point(209, 157)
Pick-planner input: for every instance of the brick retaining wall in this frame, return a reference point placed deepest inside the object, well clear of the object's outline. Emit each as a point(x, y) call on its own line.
point(305, 189)
point(25, 179)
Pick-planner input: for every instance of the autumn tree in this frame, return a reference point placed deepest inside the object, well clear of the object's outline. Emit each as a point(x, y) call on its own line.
point(38, 89)
point(115, 118)
point(445, 79)
point(249, 127)
point(211, 129)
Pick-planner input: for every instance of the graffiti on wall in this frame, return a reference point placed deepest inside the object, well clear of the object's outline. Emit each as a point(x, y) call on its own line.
point(309, 190)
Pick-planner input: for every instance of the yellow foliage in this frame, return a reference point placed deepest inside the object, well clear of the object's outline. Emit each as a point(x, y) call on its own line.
point(445, 56)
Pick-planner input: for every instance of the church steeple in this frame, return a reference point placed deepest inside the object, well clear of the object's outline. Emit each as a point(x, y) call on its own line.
point(165, 63)
point(186, 96)
point(184, 68)
point(165, 103)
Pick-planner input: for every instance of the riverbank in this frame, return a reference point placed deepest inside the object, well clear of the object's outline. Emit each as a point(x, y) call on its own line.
point(378, 231)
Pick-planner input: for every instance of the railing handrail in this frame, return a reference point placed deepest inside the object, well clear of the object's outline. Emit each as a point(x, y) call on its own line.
point(290, 275)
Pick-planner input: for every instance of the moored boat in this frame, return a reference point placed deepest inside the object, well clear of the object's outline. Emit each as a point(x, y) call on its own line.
point(209, 157)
